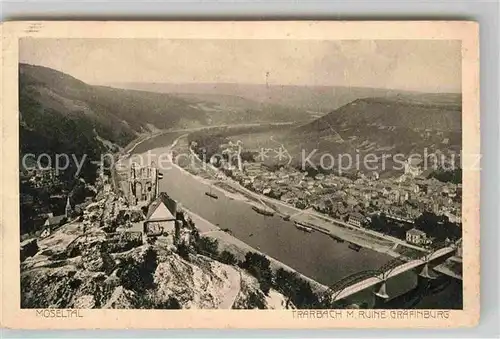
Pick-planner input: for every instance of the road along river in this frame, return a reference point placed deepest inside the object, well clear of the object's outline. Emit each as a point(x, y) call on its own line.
point(312, 254)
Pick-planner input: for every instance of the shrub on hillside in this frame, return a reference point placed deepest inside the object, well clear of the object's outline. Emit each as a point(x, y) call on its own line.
point(227, 257)
point(136, 272)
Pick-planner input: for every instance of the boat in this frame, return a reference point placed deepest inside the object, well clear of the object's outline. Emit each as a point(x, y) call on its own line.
point(354, 247)
point(211, 195)
point(263, 211)
point(286, 217)
point(337, 239)
point(303, 227)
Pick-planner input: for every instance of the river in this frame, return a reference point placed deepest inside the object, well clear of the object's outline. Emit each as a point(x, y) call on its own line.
point(313, 254)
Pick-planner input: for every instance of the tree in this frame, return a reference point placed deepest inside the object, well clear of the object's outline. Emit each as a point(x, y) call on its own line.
point(453, 176)
point(260, 267)
point(296, 289)
point(438, 227)
point(138, 275)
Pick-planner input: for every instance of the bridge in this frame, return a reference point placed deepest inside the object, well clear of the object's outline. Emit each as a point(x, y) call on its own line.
point(377, 278)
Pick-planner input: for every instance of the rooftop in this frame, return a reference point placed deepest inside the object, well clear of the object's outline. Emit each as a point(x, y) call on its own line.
point(415, 231)
point(162, 199)
point(55, 220)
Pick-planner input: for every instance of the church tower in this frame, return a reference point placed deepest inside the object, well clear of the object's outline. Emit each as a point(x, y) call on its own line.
point(67, 210)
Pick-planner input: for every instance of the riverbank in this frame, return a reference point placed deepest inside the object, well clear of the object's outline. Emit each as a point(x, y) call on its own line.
point(239, 248)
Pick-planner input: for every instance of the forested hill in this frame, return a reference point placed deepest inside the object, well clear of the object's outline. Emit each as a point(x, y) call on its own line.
point(425, 112)
point(59, 113)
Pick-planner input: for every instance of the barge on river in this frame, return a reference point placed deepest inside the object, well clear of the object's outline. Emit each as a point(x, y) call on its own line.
point(303, 227)
point(354, 247)
point(263, 211)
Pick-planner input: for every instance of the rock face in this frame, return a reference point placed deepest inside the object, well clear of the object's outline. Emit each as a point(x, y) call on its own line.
point(202, 284)
point(28, 248)
point(122, 298)
point(95, 258)
point(101, 270)
point(64, 287)
point(109, 213)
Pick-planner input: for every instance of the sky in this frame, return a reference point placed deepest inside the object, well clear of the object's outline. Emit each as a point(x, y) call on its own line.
point(419, 65)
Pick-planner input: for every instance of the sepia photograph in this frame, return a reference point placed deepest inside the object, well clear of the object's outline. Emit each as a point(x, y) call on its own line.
point(304, 175)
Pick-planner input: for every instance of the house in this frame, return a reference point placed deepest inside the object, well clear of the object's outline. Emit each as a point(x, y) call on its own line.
point(45, 233)
point(416, 237)
point(161, 217)
point(412, 167)
point(356, 219)
point(55, 221)
point(51, 223)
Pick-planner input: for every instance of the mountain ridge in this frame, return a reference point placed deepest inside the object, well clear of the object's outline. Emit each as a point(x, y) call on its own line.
point(317, 98)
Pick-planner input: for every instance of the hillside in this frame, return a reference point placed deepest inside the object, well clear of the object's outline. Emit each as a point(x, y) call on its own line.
point(61, 114)
point(409, 124)
point(426, 111)
point(391, 126)
point(61, 110)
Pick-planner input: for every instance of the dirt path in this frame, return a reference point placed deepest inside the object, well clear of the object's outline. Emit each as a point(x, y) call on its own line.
point(235, 279)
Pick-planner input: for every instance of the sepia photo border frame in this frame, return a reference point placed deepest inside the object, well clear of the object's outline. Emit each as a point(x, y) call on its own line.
point(13, 317)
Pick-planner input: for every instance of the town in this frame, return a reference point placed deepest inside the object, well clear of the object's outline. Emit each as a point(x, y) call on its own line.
point(412, 206)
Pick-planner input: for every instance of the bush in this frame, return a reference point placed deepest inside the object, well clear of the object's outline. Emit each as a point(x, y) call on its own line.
point(260, 267)
point(171, 304)
point(183, 251)
point(297, 289)
point(123, 243)
point(207, 245)
point(137, 274)
point(227, 257)
point(265, 285)
point(255, 301)
point(150, 300)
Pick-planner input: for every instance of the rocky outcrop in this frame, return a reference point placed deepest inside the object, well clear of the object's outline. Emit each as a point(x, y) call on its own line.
point(109, 213)
point(140, 278)
point(29, 248)
point(64, 287)
point(95, 258)
point(122, 298)
point(195, 286)
point(87, 267)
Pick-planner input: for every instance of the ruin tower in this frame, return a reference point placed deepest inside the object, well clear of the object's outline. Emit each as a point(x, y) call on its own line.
point(143, 185)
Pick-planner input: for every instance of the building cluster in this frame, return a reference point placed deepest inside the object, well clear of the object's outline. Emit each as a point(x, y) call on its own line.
point(417, 237)
point(355, 198)
point(42, 177)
